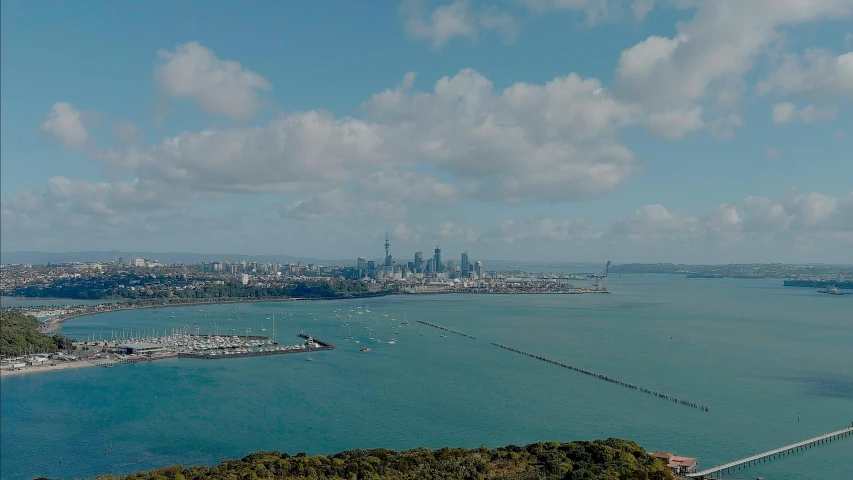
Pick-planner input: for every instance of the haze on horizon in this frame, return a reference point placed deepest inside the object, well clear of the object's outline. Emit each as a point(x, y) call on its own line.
point(638, 131)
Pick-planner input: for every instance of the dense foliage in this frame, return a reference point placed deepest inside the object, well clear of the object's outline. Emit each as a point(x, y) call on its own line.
point(160, 287)
point(19, 335)
point(611, 459)
point(819, 283)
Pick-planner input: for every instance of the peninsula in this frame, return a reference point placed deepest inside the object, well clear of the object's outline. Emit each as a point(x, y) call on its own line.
point(613, 458)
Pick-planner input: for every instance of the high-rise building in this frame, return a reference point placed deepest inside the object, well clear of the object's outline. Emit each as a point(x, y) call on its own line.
point(464, 265)
point(430, 266)
point(419, 261)
point(361, 266)
point(478, 269)
point(437, 259)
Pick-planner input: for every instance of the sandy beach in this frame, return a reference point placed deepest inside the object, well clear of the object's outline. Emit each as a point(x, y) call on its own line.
point(46, 368)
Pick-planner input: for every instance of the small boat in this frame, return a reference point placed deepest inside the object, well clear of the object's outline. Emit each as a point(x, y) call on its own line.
point(443, 336)
point(392, 341)
point(422, 333)
point(309, 359)
point(365, 349)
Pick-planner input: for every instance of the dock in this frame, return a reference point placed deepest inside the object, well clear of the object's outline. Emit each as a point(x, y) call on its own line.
point(772, 454)
point(447, 329)
point(610, 379)
point(306, 348)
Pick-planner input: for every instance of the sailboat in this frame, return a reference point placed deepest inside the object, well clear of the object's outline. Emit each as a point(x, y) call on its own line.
point(310, 358)
point(172, 315)
point(386, 313)
point(404, 322)
point(349, 337)
point(262, 327)
point(422, 333)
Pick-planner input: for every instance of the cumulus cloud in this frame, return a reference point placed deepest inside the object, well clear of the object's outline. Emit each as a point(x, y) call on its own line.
point(788, 112)
point(454, 20)
point(73, 204)
point(704, 63)
point(552, 142)
point(218, 86)
point(64, 124)
point(815, 74)
point(793, 217)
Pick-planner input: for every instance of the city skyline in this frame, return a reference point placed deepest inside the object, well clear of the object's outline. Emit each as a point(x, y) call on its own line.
point(522, 131)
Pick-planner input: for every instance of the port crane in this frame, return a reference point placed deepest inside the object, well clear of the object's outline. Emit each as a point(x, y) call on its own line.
point(601, 278)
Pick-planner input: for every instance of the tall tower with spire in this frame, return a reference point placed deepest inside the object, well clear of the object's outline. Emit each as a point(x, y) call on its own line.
point(388, 262)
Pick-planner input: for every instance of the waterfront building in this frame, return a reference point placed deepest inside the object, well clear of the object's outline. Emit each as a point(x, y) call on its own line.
point(245, 279)
point(679, 465)
point(138, 348)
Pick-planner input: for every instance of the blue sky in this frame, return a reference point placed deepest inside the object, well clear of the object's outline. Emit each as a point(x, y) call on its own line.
point(572, 130)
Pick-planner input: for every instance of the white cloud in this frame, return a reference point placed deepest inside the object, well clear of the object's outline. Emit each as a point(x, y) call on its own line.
point(218, 86)
point(674, 124)
point(815, 74)
point(768, 221)
point(705, 62)
point(553, 142)
point(454, 20)
point(64, 124)
point(787, 113)
point(73, 204)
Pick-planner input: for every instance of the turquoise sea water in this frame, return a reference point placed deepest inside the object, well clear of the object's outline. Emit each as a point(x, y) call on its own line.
point(755, 352)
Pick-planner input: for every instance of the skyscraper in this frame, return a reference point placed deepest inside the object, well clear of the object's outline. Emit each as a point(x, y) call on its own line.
point(437, 259)
point(419, 261)
point(464, 265)
point(478, 269)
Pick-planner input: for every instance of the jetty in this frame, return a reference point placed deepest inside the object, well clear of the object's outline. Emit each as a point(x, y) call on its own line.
point(610, 379)
point(446, 329)
point(772, 454)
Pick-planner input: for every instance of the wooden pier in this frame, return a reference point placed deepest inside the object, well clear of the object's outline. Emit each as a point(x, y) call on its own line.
point(772, 454)
point(447, 329)
point(602, 376)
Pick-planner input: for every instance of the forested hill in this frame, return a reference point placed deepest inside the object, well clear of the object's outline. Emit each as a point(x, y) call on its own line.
point(19, 335)
point(611, 459)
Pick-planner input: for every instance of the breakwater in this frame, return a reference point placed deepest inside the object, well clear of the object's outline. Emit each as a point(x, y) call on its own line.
point(446, 329)
point(255, 353)
point(602, 376)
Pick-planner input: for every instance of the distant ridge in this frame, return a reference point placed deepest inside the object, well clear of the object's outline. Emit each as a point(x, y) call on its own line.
point(42, 258)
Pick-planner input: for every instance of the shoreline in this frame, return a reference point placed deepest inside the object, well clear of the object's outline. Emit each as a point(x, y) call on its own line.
point(46, 368)
point(52, 325)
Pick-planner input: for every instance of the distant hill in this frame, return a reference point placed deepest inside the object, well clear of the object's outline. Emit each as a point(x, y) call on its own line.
point(42, 258)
